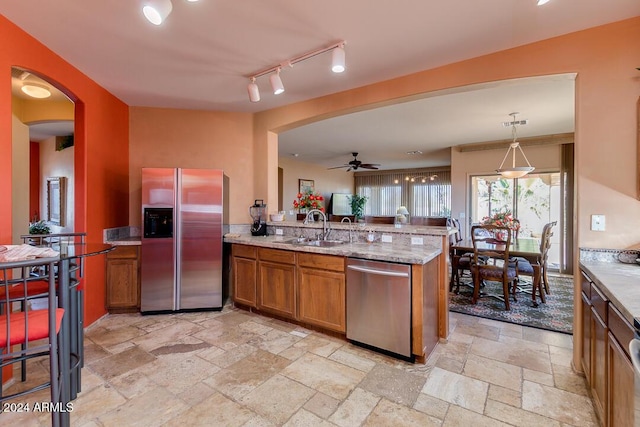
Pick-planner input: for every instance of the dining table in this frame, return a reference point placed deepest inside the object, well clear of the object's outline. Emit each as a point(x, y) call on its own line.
point(524, 247)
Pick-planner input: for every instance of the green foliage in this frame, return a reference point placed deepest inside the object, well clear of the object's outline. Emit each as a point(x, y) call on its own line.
point(39, 227)
point(357, 205)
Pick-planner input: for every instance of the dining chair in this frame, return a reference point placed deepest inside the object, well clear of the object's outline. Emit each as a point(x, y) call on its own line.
point(538, 269)
point(459, 262)
point(31, 333)
point(491, 243)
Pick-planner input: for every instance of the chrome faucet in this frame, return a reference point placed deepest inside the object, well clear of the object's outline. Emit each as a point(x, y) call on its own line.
point(325, 229)
point(349, 220)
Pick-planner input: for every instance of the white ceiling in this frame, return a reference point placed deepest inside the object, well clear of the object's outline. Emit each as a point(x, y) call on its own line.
point(201, 57)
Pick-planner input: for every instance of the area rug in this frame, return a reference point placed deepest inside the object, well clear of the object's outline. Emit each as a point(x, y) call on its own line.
point(554, 315)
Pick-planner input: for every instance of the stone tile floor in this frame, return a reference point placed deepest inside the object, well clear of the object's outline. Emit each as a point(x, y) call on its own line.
point(235, 368)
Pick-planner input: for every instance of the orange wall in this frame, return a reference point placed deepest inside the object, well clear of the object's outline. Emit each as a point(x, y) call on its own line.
point(101, 146)
point(193, 139)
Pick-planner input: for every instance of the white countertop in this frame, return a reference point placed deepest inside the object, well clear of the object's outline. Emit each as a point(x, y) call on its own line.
point(392, 252)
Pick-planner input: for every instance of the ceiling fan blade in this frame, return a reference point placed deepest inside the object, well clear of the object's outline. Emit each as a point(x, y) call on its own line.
point(369, 166)
point(338, 167)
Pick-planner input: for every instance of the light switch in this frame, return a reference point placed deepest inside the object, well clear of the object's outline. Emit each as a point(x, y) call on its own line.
point(417, 241)
point(597, 222)
point(279, 232)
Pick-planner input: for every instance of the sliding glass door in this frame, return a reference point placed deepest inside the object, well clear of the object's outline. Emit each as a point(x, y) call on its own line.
point(535, 200)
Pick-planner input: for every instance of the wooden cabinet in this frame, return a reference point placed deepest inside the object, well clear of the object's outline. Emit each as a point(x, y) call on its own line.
point(123, 279)
point(620, 410)
point(244, 268)
point(277, 282)
point(605, 358)
point(598, 382)
point(322, 291)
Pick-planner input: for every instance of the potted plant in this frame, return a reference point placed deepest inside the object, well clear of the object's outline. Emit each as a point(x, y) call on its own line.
point(39, 227)
point(357, 206)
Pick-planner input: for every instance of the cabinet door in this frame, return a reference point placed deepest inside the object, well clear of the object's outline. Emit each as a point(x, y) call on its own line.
point(244, 281)
point(599, 352)
point(123, 288)
point(277, 288)
point(621, 388)
point(586, 337)
point(322, 298)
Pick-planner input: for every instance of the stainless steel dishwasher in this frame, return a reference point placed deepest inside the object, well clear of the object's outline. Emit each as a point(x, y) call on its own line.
point(379, 305)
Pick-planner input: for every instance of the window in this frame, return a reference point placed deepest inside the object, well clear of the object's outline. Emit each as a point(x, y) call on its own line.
point(425, 192)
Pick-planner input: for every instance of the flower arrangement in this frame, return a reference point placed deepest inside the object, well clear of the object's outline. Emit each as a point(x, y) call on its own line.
point(308, 200)
point(502, 219)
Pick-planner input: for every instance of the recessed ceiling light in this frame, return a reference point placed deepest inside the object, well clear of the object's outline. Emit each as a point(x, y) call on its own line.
point(36, 90)
point(414, 152)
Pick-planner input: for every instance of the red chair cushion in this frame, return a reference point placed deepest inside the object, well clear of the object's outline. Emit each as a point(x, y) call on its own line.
point(38, 326)
point(36, 288)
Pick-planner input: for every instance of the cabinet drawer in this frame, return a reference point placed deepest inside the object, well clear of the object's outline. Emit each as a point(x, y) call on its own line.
point(277, 255)
point(586, 284)
point(125, 251)
point(620, 329)
point(324, 262)
point(244, 251)
point(599, 302)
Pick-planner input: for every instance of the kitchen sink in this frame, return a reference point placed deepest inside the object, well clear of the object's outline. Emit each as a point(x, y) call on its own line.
point(324, 243)
point(320, 243)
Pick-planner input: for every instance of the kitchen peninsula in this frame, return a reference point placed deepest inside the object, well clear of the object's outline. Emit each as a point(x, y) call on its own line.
point(305, 283)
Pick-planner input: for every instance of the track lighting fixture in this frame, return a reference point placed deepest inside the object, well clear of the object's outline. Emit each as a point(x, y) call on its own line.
point(541, 2)
point(254, 92)
point(276, 83)
point(337, 59)
point(156, 11)
point(337, 66)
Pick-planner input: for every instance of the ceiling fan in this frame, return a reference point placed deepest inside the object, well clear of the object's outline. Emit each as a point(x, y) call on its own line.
point(356, 164)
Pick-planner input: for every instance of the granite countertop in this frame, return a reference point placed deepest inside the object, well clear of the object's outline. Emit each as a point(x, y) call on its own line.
point(360, 227)
point(619, 282)
point(125, 241)
point(392, 252)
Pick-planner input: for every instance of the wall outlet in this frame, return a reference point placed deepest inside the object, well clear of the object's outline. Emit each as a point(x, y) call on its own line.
point(417, 241)
point(279, 232)
point(387, 238)
point(597, 222)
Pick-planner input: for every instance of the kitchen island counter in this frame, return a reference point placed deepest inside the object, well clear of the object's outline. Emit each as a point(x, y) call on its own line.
point(391, 252)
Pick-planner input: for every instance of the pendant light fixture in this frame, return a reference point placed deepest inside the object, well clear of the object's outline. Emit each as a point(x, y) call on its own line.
point(156, 11)
point(514, 171)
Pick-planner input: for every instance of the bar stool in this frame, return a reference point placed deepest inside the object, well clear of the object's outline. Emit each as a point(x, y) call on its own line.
point(29, 333)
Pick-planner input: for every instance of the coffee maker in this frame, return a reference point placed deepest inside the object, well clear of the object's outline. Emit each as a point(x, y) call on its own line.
point(258, 213)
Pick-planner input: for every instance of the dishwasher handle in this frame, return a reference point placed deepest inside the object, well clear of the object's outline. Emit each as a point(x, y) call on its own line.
point(378, 272)
point(634, 351)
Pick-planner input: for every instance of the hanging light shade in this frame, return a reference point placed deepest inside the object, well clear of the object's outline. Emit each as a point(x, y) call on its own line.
point(254, 92)
point(156, 11)
point(338, 59)
point(514, 171)
point(276, 83)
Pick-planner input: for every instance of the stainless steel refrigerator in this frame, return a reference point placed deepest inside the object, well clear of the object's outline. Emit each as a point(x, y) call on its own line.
point(182, 229)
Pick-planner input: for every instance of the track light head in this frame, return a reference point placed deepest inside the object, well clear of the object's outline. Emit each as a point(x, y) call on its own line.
point(156, 11)
point(337, 59)
point(276, 83)
point(254, 92)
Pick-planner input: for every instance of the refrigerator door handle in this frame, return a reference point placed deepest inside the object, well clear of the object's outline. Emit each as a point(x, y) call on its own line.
point(177, 231)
